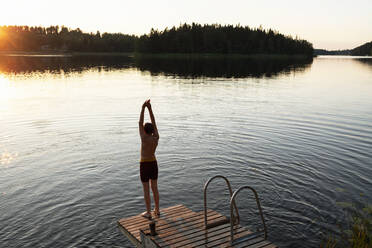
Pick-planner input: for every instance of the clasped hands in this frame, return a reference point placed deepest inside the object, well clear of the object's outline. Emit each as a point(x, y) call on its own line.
point(146, 104)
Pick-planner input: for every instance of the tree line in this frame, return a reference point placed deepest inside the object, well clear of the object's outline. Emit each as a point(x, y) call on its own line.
point(55, 38)
point(363, 50)
point(216, 38)
point(194, 38)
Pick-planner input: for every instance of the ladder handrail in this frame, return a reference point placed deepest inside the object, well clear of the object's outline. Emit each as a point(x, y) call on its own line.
point(232, 202)
point(231, 194)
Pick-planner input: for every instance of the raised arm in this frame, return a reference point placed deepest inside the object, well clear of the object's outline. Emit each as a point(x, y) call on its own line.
point(140, 122)
point(152, 118)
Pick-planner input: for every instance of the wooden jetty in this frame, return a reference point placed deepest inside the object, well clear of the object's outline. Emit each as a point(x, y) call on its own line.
point(179, 226)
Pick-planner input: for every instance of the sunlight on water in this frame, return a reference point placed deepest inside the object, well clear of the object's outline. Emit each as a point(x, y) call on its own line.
point(7, 157)
point(6, 91)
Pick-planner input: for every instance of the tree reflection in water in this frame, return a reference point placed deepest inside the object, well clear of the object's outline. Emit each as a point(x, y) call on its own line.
point(181, 66)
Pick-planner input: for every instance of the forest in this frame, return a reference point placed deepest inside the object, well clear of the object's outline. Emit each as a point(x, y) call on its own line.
point(363, 50)
point(228, 39)
point(194, 38)
point(62, 39)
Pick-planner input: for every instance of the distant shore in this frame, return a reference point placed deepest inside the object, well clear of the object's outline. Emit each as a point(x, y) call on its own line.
point(153, 55)
point(63, 53)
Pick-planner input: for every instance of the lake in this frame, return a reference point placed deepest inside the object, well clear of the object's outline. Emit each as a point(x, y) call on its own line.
point(297, 130)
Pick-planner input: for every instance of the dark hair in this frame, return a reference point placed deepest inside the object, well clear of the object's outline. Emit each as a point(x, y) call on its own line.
point(149, 128)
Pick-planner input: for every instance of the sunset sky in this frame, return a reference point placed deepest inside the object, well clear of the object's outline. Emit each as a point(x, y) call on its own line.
point(328, 24)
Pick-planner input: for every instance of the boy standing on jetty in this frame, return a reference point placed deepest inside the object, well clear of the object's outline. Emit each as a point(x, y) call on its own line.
point(148, 164)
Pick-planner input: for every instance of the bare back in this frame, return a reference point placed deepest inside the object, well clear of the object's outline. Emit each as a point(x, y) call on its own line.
point(149, 141)
point(148, 147)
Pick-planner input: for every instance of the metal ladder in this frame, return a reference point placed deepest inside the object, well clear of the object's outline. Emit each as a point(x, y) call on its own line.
point(234, 220)
point(252, 235)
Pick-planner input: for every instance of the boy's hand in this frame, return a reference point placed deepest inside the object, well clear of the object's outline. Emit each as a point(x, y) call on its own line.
point(148, 104)
point(144, 104)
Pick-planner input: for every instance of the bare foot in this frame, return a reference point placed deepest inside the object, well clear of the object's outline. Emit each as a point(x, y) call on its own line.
point(146, 215)
point(157, 213)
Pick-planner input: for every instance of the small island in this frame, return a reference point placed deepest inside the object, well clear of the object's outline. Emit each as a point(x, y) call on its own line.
point(187, 39)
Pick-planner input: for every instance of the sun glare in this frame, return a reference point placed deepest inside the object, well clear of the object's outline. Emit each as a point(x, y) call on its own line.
point(6, 90)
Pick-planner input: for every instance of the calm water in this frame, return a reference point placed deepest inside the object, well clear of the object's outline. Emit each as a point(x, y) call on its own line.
point(299, 132)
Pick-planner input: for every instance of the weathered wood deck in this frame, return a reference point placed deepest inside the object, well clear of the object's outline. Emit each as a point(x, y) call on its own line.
point(178, 226)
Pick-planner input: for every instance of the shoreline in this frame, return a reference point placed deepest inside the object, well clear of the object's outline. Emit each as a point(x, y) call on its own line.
point(61, 53)
point(153, 55)
point(218, 55)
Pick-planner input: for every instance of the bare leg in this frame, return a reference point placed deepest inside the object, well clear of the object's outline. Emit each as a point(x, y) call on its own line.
point(155, 193)
point(146, 194)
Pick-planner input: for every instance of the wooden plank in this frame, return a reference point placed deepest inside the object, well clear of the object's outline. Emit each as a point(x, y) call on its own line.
point(145, 221)
point(179, 219)
point(202, 237)
point(135, 237)
point(163, 209)
point(147, 242)
point(140, 219)
point(166, 224)
point(131, 238)
point(175, 233)
point(134, 219)
point(161, 224)
point(183, 224)
point(203, 240)
point(224, 240)
point(143, 224)
point(176, 219)
point(163, 220)
point(194, 228)
point(170, 230)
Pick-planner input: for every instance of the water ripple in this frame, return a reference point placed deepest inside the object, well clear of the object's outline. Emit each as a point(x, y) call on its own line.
point(69, 159)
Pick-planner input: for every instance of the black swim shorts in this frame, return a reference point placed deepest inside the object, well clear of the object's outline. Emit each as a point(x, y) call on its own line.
point(148, 170)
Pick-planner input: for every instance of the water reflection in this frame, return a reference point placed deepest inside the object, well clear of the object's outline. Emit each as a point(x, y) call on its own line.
point(366, 61)
point(222, 66)
point(58, 64)
point(178, 66)
point(303, 142)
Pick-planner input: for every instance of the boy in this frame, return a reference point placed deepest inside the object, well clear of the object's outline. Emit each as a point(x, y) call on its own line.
point(148, 164)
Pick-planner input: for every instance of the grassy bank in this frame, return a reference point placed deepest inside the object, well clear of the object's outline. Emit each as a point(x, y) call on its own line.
point(358, 233)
